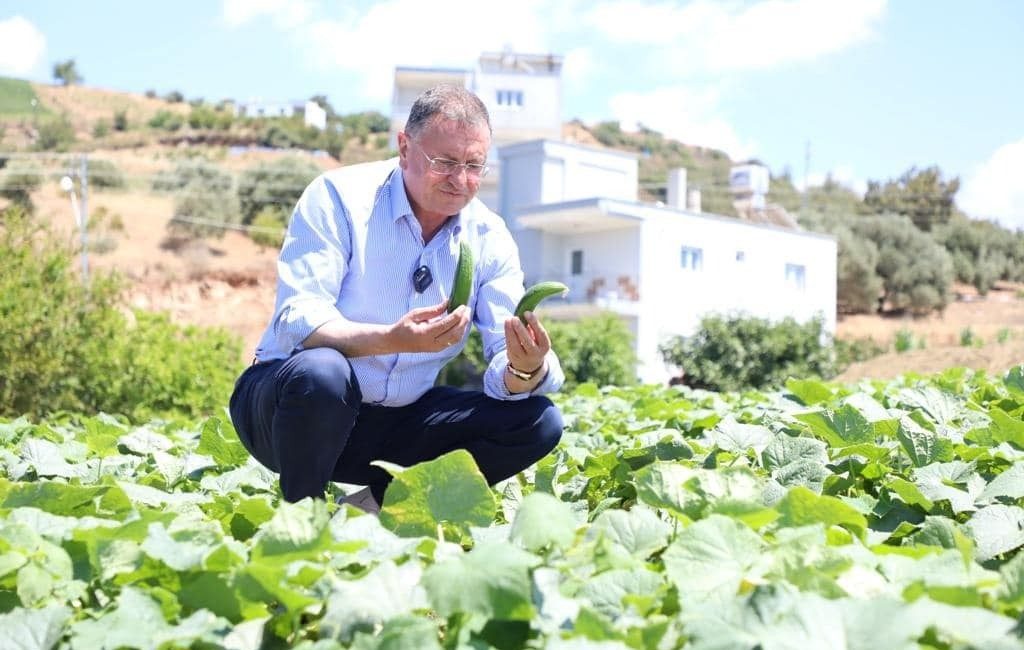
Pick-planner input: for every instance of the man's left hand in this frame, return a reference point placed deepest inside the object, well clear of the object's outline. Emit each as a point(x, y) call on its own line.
point(526, 345)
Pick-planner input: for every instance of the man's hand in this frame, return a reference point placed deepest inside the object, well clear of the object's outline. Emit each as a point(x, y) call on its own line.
point(429, 329)
point(526, 346)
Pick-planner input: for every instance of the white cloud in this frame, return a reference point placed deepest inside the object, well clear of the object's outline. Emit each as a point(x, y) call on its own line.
point(285, 13)
point(414, 33)
point(22, 47)
point(688, 115)
point(707, 36)
point(995, 190)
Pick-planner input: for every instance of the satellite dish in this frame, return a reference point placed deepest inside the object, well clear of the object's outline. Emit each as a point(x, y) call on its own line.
point(67, 184)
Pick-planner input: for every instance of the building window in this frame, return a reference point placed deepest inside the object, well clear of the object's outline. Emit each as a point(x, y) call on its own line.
point(692, 258)
point(796, 276)
point(577, 263)
point(741, 256)
point(510, 98)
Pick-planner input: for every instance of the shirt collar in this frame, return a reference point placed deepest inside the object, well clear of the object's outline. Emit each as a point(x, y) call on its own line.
point(400, 206)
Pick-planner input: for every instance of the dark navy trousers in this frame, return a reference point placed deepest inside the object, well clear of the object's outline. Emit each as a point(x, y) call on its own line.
point(303, 417)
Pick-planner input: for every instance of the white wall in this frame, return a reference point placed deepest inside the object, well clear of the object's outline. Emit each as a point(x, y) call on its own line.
point(544, 171)
point(539, 116)
point(674, 299)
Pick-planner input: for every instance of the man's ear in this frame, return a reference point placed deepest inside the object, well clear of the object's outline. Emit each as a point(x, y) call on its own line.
point(403, 148)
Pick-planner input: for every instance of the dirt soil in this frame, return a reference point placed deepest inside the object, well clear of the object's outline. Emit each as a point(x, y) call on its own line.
point(230, 282)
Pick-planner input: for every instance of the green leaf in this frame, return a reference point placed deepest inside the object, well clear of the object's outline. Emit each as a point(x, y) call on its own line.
point(1014, 380)
point(801, 507)
point(1008, 484)
point(450, 488)
point(1005, 428)
point(223, 447)
point(663, 485)
point(840, 428)
point(923, 446)
point(639, 530)
point(401, 633)
point(809, 391)
point(297, 530)
point(70, 500)
point(944, 532)
point(605, 591)
point(730, 435)
point(941, 481)
point(940, 406)
point(543, 521)
point(33, 629)
point(493, 580)
point(997, 529)
point(386, 592)
point(909, 493)
point(714, 557)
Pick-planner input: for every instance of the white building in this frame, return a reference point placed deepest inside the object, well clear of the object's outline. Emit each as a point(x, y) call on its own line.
point(312, 113)
point(575, 215)
point(522, 92)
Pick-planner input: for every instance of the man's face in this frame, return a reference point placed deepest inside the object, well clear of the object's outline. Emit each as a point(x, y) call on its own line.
point(436, 196)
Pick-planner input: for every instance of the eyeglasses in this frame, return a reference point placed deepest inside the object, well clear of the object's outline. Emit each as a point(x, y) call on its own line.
point(444, 167)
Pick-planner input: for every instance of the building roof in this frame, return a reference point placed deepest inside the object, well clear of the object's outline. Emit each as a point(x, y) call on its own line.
point(597, 213)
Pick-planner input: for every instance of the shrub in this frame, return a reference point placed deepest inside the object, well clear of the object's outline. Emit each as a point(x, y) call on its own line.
point(104, 173)
point(166, 120)
point(65, 347)
point(202, 193)
point(120, 120)
point(969, 339)
point(596, 349)
point(54, 134)
point(271, 222)
point(100, 129)
point(736, 352)
point(856, 350)
point(18, 179)
point(1004, 334)
point(277, 184)
point(904, 340)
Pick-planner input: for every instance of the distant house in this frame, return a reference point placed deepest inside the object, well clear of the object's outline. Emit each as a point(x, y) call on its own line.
point(522, 93)
point(574, 213)
point(312, 113)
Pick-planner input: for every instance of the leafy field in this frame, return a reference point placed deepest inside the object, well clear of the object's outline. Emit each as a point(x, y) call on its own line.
point(884, 515)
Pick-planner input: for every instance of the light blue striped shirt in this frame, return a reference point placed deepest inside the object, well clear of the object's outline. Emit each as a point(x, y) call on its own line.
point(351, 249)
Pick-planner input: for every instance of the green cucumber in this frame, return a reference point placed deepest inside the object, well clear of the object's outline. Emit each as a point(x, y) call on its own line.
point(535, 294)
point(462, 283)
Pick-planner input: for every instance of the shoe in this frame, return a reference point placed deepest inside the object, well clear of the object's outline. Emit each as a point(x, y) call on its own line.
point(363, 500)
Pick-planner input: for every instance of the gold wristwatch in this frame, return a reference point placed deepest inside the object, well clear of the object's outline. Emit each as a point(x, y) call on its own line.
point(525, 376)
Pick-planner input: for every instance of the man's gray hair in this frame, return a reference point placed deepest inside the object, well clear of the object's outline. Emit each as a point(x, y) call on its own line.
point(451, 102)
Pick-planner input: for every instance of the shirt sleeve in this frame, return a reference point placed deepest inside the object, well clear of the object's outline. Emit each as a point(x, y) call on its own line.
point(311, 266)
point(500, 289)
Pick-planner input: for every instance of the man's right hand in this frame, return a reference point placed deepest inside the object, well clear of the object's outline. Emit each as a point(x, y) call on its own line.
point(429, 329)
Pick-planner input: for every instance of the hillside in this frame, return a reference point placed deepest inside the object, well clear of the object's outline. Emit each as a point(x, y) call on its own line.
point(229, 281)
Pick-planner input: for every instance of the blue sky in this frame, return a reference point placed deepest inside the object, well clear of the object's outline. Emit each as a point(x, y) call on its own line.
point(874, 87)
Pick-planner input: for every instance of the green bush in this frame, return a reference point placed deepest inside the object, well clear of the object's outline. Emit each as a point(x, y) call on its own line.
point(100, 129)
point(271, 222)
point(203, 192)
point(18, 179)
point(904, 340)
point(54, 133)
point(104, 173)
point(596, 349)
point(166, 120)
point(67, 348)
point(277, 184)
point(850, 351)
point(737, 352)
point(120, 120)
